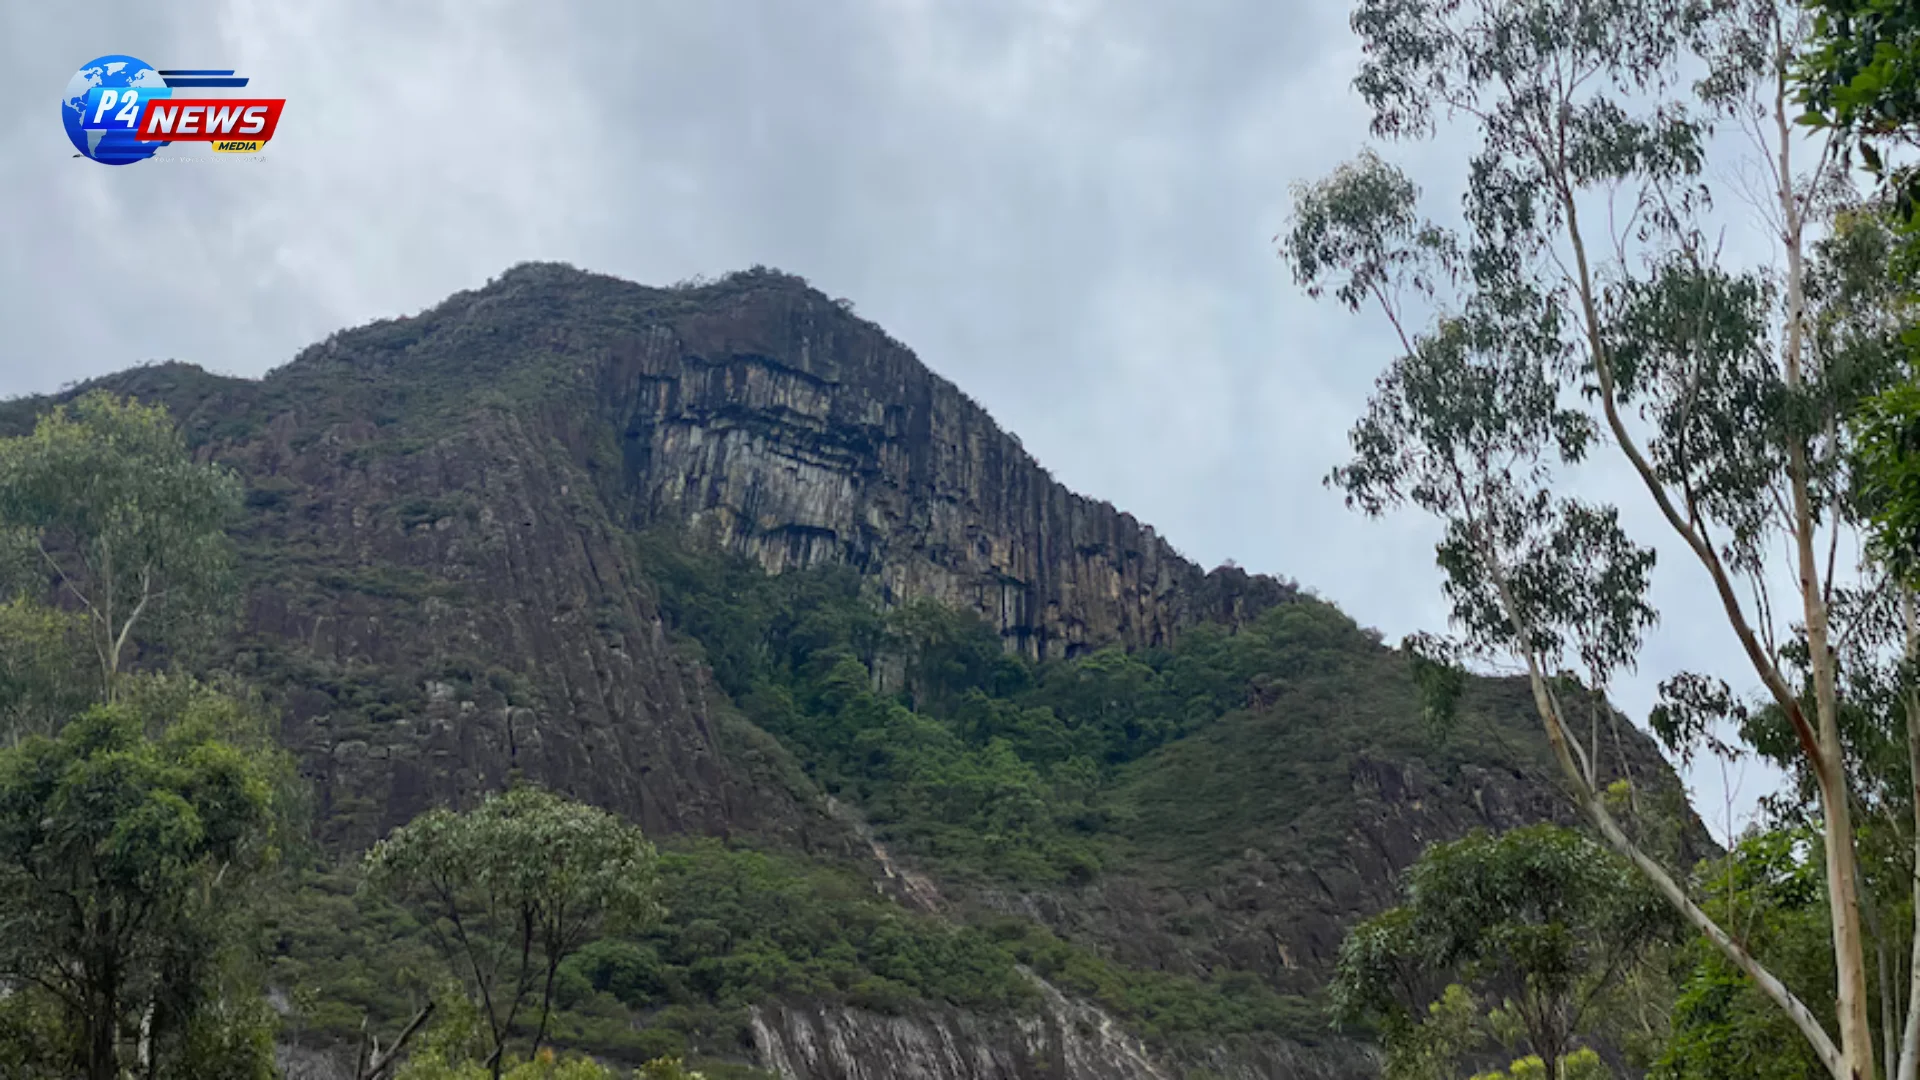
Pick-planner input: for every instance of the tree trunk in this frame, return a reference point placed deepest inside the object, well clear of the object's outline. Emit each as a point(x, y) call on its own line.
point(1856, 1033)
point(546, 1006)
point(1843, 872)
point(1910, 1032)
point(1594, 806)
point(1843, 901)
point(102, 1032)
point(1889, 1030)
point(102, 996)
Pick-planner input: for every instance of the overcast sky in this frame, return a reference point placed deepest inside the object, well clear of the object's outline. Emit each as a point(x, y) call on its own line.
point(1064, 206)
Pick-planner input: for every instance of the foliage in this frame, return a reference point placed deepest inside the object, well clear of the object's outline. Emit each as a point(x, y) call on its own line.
point(1588, 307)
point(544, 1066)
point(1540, 920)
point(119, 519)
point(739, 926)
point(35, 1041)
point(922, 717)
point(1454, 1026)
point(127, 845)
point(667, 1069)
point(1770, 886)
point(752, 927)
point(44, 678)
point(800, 653)
point(985, 764)
point(514, 887)
point(1888, 463)
point(1582, 1064)
point(1165, 1008)
point(1860, 74)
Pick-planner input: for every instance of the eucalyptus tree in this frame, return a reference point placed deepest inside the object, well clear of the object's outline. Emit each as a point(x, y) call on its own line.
point(1884, 737)
point(1860, 80)
point(1586, 308)
point(104, 502)
point(513, 887)
point(1541, 922)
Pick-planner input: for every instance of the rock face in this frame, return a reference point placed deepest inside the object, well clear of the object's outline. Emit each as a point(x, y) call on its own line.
point(1067, 1040)
point(794, 433)
point(442, 617)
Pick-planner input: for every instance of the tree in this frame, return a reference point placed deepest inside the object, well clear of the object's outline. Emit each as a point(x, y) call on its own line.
point(451, 1050)
point(1860, 76)
point(1585, 307)
point(112, 508)
point(1860, 81)
point(512, 888)
point(1540, 921)
point(43, 671)
point(125, 842)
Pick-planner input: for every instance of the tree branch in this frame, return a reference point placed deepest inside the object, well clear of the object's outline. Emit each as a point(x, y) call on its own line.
point(382, 1062)
point(1736, 615)
point(1596, 811)
point(146, 595)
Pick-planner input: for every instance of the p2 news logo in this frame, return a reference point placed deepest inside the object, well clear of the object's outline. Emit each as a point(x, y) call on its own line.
point(119, 110)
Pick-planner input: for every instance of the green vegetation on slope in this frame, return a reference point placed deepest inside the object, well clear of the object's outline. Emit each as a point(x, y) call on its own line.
point(985, 765)
point(977, 762)
point(740, 927)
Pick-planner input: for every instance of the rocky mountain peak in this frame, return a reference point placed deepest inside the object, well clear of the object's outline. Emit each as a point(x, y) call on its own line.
point(766, 416)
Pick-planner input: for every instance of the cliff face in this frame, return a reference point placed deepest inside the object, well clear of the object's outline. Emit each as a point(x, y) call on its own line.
point(796, 434)
point(441, 618)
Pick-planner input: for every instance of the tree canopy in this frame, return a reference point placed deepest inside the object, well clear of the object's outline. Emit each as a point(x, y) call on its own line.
point(1585, 309)
point(108, 511)
point(512, 888)
point(126, 843)
point(1539, 922)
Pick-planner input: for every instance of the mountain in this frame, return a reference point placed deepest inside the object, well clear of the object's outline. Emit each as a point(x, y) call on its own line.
point(542, 528)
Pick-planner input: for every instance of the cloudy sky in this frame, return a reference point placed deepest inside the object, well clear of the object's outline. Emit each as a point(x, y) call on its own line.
point(1065, 206)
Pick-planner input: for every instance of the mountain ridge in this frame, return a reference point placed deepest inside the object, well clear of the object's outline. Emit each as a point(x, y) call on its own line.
point(785, 380)
point(446, 587)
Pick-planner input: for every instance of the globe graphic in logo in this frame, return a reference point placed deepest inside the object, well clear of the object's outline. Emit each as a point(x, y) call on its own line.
point(115, 72)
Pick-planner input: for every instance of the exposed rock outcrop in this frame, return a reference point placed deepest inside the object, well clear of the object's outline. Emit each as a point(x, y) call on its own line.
point(1065, 1040)
point(797, 434)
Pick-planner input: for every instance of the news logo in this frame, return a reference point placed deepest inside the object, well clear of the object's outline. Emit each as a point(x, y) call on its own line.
point(119, 110)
